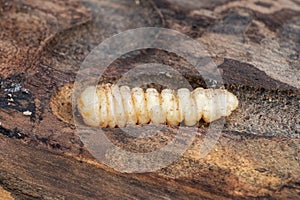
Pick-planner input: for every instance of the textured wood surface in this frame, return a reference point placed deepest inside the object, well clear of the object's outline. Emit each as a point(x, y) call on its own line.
point(254, 43)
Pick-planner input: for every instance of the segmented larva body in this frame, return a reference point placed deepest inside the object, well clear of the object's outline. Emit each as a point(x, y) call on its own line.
point(112, 106)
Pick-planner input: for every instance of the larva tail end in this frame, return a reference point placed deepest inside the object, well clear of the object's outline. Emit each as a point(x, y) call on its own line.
point(232, 100)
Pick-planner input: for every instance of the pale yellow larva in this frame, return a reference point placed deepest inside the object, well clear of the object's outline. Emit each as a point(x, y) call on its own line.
point(112, 106)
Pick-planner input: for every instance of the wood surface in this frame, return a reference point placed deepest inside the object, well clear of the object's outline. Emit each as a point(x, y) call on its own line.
point(256, 46)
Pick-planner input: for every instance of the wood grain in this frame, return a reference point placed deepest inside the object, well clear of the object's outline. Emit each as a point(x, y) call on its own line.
point(254, 43)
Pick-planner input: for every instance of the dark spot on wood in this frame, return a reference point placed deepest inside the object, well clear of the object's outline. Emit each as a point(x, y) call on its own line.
point(42, 139)
point(15, 133)
point(232, 24)
point(236, 72)
point(55, 146)
point(264, 4)
point(162, 4)
point(276, 20)
point(176, 14)
point(14, 96)
point(190, 4)
point(253, 34)
point(179, 15)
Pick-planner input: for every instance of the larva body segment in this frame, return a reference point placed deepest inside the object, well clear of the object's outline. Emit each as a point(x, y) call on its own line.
point(111, 110)
point(187, 107)
point(110, 106)
point(140, 105)
point(121, 118)
point(154, 106)
point(170, 106)
point(128, 105)
point(101, 92)
point(199, 97)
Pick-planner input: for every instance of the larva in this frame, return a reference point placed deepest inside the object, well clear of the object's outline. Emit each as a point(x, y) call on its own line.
point(112, 106)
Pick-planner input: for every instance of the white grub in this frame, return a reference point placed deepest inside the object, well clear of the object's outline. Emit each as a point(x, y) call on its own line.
point(112, 106)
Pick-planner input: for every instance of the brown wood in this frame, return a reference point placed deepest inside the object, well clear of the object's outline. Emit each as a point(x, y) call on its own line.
point(254, 43)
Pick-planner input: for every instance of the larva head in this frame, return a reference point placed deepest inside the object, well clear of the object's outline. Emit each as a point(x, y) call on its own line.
point(218, 103)
point(232, 101)
point(88, 104)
